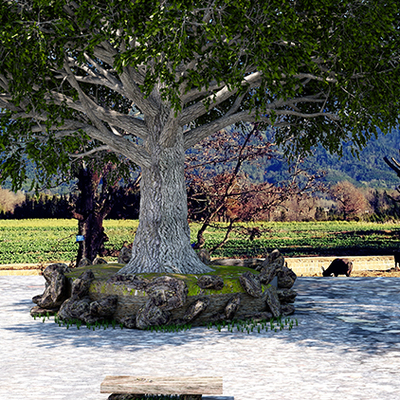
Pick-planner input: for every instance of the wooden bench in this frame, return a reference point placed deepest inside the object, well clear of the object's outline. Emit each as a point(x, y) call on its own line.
point(188, 388)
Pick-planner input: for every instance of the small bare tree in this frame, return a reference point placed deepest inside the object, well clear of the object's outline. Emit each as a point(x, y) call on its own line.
point(350, 200)
point(9, 200)
point(229, 195)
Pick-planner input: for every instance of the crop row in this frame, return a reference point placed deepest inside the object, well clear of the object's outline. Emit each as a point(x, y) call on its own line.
point(35, 241)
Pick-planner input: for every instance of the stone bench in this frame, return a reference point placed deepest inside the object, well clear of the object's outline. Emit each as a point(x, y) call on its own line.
point(188, 388)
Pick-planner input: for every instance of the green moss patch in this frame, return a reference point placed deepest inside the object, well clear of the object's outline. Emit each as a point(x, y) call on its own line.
point(102, 272)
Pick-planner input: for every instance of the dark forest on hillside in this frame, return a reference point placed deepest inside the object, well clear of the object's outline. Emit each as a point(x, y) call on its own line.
point(372, 181)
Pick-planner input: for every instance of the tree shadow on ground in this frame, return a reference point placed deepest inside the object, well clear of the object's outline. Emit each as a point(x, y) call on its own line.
point(342, 314)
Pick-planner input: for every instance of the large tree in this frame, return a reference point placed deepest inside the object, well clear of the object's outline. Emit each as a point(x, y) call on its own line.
point(71, 71)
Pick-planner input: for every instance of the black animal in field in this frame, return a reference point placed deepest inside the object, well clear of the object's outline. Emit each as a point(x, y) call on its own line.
point(396, 259)
point(339, 266)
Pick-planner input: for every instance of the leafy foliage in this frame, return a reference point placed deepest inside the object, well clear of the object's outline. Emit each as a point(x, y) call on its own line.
point(319, 71)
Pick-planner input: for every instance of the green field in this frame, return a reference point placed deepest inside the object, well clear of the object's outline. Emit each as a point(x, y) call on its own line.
point(35, 241)
point(48, 240)
point(332, 238)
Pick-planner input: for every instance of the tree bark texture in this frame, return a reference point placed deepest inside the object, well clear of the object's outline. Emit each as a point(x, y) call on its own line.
point(91, 208)
point(162, 241)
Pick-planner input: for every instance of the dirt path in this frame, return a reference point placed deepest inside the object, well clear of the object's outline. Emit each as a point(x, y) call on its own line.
point(389, 273)
point(36, 270)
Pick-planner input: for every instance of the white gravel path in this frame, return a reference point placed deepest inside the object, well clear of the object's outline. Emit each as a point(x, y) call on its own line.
point(347, 346)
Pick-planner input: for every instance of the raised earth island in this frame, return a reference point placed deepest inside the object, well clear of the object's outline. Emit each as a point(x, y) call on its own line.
point(96, 292)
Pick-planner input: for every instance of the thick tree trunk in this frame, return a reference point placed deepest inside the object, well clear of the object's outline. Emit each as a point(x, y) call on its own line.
point(93, 231)
point(83, 212)
point(90, 210)
point(162, 241)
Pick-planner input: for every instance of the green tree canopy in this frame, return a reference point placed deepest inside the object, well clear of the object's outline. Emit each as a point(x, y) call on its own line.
point(150, 79)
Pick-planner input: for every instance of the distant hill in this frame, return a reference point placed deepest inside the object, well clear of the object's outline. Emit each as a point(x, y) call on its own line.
point(367, 170)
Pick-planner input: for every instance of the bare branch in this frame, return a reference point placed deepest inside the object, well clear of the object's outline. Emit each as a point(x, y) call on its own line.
point(107, 74)
point(197, 134)
point(315, 77)
point(393, 164)
point(69, 127)
point(135, 94)
point(236, 105)
point(102, 77)
point(106, 53)
point(330, 116)
point(130, 150)
point(197, 93)
point(128, 123)
point(202, 107)
point(88, 153)
point(4, 82)
point(101, 133)
point(130, 79)
point(6, 104)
